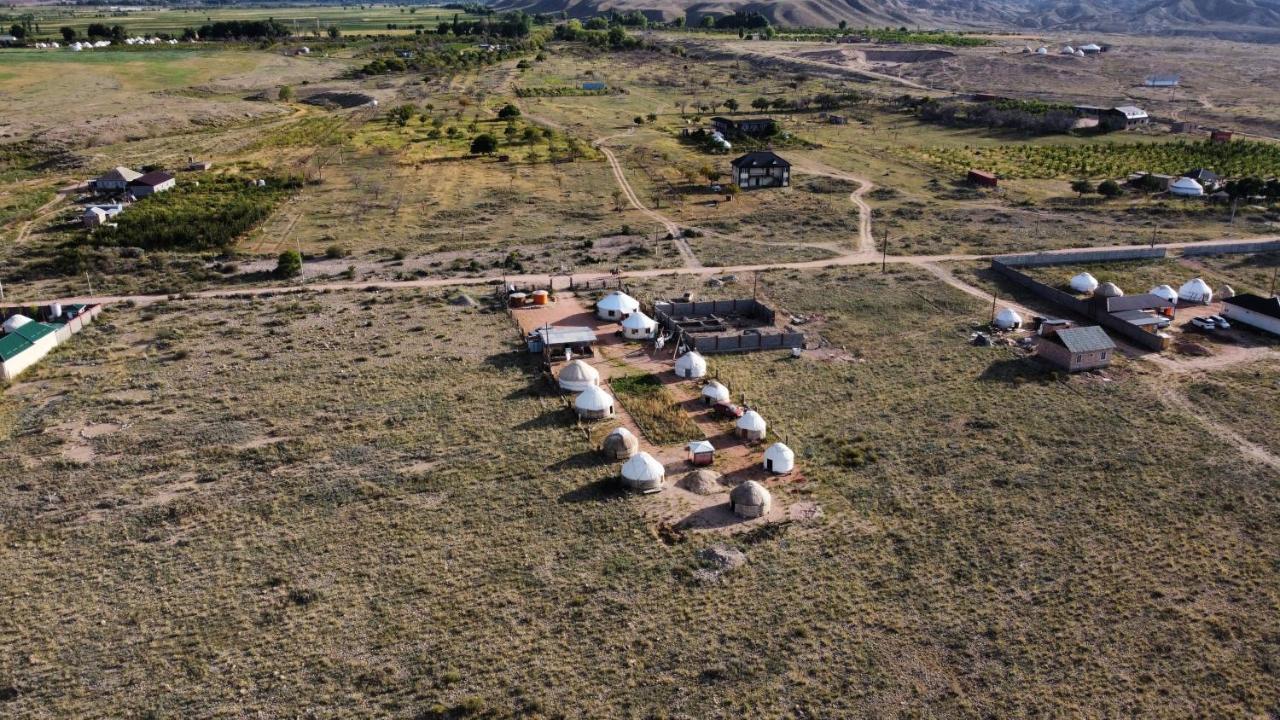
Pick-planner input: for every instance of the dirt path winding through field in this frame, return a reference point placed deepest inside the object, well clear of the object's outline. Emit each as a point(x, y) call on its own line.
point(866, 243)
point(1172, 397)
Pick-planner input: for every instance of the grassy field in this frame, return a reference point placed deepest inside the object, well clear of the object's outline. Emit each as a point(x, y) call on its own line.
point(402, 527)
point(1244, 397)
point(305, 20)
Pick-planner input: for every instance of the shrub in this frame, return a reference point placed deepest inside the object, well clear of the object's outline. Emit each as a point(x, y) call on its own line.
point(289, 264)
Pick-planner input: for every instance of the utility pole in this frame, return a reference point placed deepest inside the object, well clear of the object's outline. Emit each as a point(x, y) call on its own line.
point(1, 292)
point(994, 297)
point(89, 282)
point(884, 253)
point(1273, 282)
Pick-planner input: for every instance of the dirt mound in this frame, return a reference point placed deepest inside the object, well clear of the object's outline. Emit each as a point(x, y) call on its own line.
point(718, 560)
point(702, 482)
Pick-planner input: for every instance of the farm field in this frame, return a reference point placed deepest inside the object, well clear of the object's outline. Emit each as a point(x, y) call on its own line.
point(299, 519)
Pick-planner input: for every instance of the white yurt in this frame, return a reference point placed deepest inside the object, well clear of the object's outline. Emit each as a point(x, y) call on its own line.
point(1186, 187)
point(578, 376)
point(751, 426)
point(750, 500)
point(1026, 49)
point(620, 444)
point(1079, 53)
point(714, 392)
point(1109, 290)
point(638, 326)
point(1068, 50)
point(1084, 283)
point(16, 322)
point(1042, 51)
point(1007, 319)
point(1164, 291)
point(1226, 291)
point(593, 404)
point(616, 305)
point(642, 472)
point(691, 365)
point(1196, 290)
point(779, 459)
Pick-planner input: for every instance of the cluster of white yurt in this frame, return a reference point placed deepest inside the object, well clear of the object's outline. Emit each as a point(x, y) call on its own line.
point(750, 500)
point(643, 472)
point(752, 426)
point(593, 404)
point(1196, 290)
point(1084, 283)
point(616, 306)
point(577, 376)
point(620, 444)
point(1164, 292)
point(691, 365)
point(44, 45)
point(779, 459)
point(714, 392)
point(1109, 290)
point(1007, 319)
point(638, 326)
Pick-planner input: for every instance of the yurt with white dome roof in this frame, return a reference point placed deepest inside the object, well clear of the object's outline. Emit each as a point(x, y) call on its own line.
point(577, 376)
point(1007, 319)
point(1196, 290)
point(593, 404)
point(752, 426)
point(691, 365)
point(1084, 283)
point(642, 472)
point(620, 444)
point(1108, 290)
point(616, 306)
point(714, 392)
point(1164, 292)
point(779, 459)
point(638, 326)
point(750, 500)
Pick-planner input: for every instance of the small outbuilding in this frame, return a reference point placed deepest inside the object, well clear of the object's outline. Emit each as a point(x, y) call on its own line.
point(642, 472)
point(779, 459)
point(983, 178)
point(752, 426)
point(1196, 290)
point(1084, 283)
point(616, 305)
point(1262, 313)
point(750, 500)
point(1075, 348)
point(701, 452)
point(691, 365)
point(620, 444)
point(156, 181)
point(594, 404)
point(714, 392)
point(577, 376)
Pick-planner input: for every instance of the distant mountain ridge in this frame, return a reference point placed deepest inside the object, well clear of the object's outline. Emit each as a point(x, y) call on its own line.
point(1217, 17)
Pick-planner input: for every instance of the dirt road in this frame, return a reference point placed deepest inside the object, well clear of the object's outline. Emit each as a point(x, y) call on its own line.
point(673, 229)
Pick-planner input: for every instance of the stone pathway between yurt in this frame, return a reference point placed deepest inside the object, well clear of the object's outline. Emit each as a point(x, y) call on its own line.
point(736, 460)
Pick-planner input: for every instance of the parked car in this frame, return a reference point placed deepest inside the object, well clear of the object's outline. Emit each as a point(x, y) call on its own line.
point(1220, 321)
point(727, 410)
point(1204, 324)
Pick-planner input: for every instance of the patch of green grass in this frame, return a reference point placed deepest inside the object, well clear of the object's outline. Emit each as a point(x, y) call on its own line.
point(655, 411)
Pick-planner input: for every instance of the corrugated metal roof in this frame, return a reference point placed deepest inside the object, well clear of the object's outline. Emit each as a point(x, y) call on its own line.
point(566, 335)
point(32, 332)
point(11, 345)
point(1085, 339)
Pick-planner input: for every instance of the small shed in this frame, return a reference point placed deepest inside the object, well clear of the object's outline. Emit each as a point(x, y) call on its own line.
point(752, 426)
point(593, 404)
point(617, 305)
point(691, 365)
point(750, 500)
point(577, 376)
point(1077, 348)
point(714, 392)
point(620, 444)
point(638, 326)
point(983, 178)
point(701, 452)
point(779, 459)
point(642, 472)
point(1220, 137)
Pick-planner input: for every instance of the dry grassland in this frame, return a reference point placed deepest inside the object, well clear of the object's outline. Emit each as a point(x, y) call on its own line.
point(361, 504)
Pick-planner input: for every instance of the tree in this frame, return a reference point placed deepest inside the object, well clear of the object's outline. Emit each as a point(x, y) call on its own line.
point(731, 105)
point(289, 264)
point(844, 24)
point(18, 31)
point(286, 93)
point(708, 21)
point(1110, 189)
point(484, 144)
point(1080, 187)
point(508, 112)
point(638, 120)
point(760, 103)
point(335, 32)
point(68, 33)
